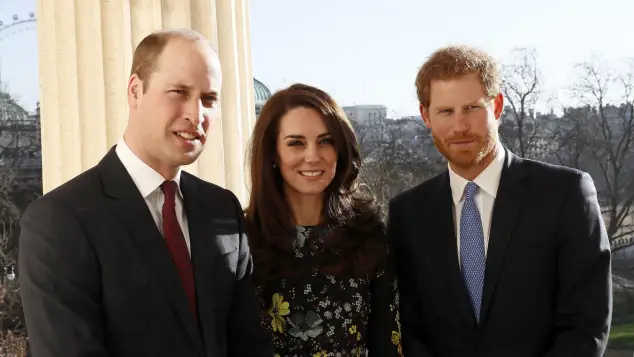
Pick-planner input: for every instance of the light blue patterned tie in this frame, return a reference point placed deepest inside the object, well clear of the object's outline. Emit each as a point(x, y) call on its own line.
point(472, 258)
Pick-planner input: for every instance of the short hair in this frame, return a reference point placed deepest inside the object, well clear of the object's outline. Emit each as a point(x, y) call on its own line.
point(456, 61)
point(150, 48)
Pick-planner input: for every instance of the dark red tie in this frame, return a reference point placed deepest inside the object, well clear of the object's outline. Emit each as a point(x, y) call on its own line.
point(176, 242)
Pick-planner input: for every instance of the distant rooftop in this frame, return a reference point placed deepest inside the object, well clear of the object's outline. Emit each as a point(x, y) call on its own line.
point(260, 92)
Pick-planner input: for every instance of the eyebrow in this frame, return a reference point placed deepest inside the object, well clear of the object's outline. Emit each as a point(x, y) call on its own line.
point(292, 136)
point(186, 87)
point(473, 102)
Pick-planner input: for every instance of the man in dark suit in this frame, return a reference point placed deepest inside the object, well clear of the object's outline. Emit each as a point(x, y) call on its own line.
point(135, 257)
point(497, 256)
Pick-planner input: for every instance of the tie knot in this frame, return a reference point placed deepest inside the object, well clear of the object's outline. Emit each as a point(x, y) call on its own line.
point(169, 189)
point(470, 190)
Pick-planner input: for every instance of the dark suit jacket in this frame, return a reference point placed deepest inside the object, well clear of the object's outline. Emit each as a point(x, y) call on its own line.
point(96, 277)
point(547, 287)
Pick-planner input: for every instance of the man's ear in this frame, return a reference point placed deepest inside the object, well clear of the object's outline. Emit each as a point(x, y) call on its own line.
point(498, 105)
point(424, 113)
point(135, 89)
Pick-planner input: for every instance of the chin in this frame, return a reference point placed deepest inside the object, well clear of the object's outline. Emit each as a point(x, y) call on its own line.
point(462, 162)
point(467, 159)
point(308, 191)
point(187, 159)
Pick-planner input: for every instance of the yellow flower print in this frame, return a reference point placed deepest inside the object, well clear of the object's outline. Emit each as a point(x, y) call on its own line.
point(396, 340)
point(278, 310)
point(321, 354)
point(396, 337)
point(358, 352)
point(358, 336)
point(353, 329)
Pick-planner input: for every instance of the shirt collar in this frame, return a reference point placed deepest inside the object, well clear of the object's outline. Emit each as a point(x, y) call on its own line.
point(488, 180)
point(146, 179)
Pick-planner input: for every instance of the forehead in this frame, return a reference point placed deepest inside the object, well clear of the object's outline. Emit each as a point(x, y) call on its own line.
point(302, 121)
point(190, 63)
point(456, 91)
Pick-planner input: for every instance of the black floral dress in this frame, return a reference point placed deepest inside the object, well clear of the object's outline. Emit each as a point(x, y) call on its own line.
point(317, 315)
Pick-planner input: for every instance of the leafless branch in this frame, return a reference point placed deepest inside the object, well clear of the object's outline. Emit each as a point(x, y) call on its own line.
point(521, 85)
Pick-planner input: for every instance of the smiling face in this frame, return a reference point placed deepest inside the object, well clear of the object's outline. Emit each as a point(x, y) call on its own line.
point(306, 156)
point(171, 110)
point(463, 122)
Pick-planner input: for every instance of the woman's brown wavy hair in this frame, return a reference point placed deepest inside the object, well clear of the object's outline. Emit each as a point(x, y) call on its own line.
point(352, 236)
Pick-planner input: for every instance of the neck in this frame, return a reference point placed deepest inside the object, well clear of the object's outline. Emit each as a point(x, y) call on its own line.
point(167, 171)
point(307, 210)
point(471, 172)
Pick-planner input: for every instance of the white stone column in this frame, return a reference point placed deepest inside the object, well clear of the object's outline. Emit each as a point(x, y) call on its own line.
point(85, 53)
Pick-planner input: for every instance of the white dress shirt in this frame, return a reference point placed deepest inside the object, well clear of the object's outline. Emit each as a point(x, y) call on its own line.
point(149, 182)
point(488, 182)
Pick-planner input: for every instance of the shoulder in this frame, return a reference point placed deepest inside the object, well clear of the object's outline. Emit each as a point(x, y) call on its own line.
point(422, 191)
point(210, 191)
point(60, 217)
point(79, 193)
point(544, 171)
point(221, 206)
point(557, 179)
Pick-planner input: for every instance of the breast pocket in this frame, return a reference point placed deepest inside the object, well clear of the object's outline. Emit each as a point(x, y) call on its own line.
point(227, 247)
point(225, 269)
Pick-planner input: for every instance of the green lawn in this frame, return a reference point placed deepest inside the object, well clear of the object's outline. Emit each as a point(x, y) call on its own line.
point(622, 333)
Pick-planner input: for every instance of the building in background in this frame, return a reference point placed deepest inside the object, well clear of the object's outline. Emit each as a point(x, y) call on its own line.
point(20, 148)
point(261, 94)
point(366, 114)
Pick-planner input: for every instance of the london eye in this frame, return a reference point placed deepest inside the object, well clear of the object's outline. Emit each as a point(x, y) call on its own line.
point(16, 25)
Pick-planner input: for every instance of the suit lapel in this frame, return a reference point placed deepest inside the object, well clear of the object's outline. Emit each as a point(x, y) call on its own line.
point(442, 216)
point(201, 235)
point(508, 203)
point(133, 211)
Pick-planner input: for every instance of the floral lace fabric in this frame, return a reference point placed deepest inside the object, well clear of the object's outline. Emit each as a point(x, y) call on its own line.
point(318, 315)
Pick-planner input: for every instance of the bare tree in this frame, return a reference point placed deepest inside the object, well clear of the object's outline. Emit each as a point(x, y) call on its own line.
point(20, 183)
point(521, 85)
point(601, 141)
point(366, 134)
point(571, 137)
point(17, 141)
point(397, 154)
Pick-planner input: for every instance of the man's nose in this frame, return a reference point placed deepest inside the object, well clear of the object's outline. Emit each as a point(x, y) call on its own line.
point(461, 122)
point(195, 112)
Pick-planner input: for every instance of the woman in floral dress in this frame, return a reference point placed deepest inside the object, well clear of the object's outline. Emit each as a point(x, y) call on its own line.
point(323, 268)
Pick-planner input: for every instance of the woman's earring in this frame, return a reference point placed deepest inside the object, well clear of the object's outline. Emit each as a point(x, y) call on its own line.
point(274, 166)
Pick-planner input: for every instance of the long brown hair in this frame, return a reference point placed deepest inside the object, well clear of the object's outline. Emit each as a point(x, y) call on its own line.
point(351, 236)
